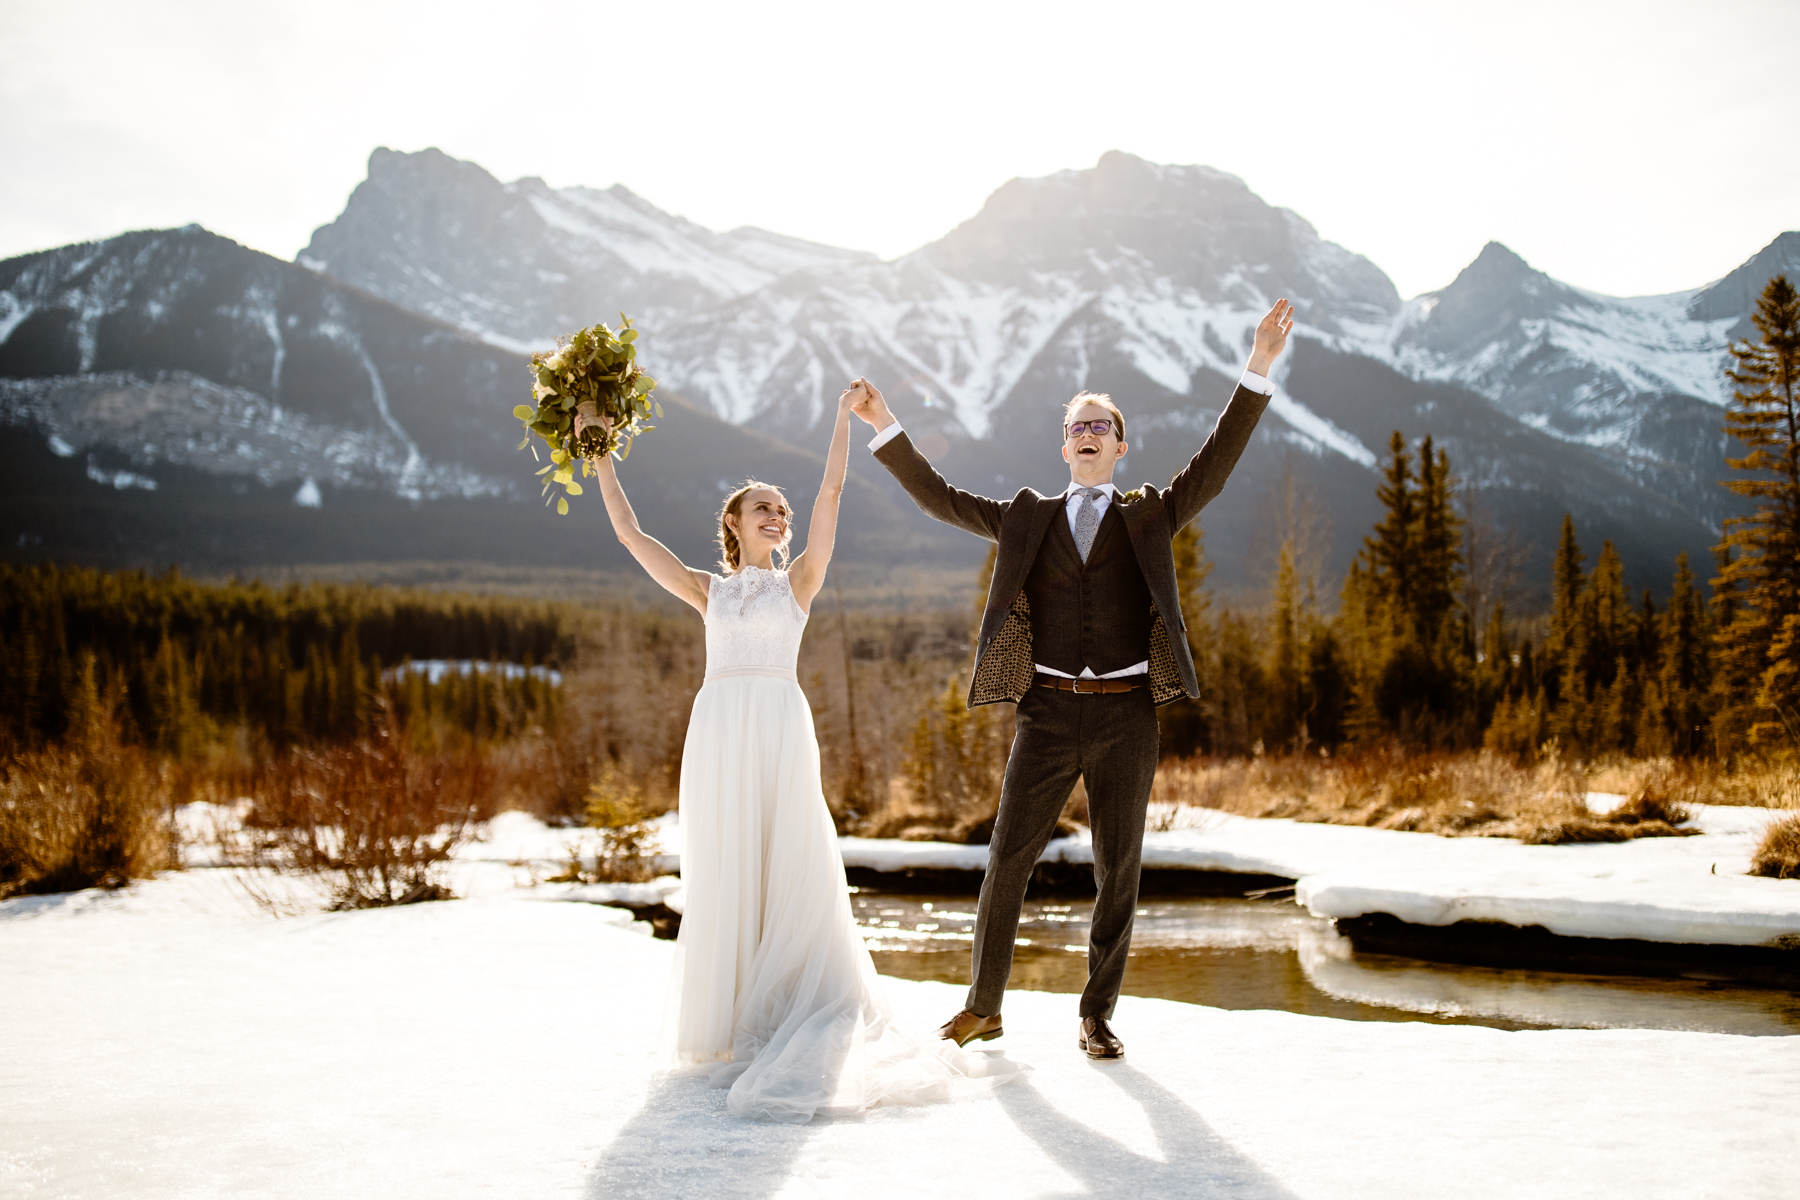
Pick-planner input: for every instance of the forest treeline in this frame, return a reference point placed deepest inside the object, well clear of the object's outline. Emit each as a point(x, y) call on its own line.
point(188, 662)
point(555, 696)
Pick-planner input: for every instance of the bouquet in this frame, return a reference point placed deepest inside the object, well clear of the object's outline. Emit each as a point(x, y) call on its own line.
point(593, 372)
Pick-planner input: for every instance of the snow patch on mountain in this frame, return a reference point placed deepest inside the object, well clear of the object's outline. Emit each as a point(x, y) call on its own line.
point(645, 245)
point(186, 420)
point(1316, 432)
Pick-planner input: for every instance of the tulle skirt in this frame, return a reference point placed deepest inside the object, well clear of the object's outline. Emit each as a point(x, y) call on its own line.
point(777, 989)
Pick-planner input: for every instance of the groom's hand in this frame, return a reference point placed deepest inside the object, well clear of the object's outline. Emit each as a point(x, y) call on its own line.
point(1271, 337)
point(864, 399)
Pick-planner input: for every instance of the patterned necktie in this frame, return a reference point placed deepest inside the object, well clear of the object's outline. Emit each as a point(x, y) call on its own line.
point(1087, 520)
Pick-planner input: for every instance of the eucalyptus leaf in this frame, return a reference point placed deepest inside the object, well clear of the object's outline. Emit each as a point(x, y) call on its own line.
point(562, 507)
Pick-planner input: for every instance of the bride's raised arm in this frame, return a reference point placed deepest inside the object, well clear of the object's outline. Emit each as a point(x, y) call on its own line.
point(676, 578)
point(807, 575)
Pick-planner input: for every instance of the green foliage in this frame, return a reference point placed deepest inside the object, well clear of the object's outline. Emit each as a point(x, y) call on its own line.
point(296, 665)
point(1757, 590)
point(1407, 647)
point(594, 366)
point(955, 759)
point(617, 808)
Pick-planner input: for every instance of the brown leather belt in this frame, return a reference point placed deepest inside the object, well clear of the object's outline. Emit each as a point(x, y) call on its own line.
point(1091, 687)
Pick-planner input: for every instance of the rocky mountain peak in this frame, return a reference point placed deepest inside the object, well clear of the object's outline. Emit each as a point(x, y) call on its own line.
point(1735, 295)
point(1487, 301)
point(1496, 268)
point(1128, 223)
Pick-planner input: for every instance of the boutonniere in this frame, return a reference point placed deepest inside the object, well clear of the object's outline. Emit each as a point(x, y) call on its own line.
point(1131, 497)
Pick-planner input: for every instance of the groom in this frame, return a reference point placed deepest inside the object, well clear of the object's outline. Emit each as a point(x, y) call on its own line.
point(1083, 630)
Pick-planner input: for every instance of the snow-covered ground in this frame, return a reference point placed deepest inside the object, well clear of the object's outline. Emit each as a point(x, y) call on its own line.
point(172, 1040)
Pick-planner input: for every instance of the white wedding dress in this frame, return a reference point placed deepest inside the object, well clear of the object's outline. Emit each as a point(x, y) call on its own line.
point(777, 988)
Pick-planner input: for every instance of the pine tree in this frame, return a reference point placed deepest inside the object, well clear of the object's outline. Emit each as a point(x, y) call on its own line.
point(1683, 675)
point(1760, 572)
point(1410, 659)
point(1187, 726)
point(1566, 585)
point(1440, 566)
point(1392, 547)
point(1609, 624)
point(1285, 663)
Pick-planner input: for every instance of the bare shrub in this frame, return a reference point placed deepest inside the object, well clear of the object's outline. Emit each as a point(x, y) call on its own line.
point(92, 813)
point(1778, 854)
point(372, 821)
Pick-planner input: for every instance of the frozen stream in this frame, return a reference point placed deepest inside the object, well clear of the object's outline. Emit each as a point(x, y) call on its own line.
point(1272, 954)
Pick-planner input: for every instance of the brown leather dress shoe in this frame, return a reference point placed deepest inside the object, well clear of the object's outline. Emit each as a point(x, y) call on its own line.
point(1098, 1039)
point(966, 1027)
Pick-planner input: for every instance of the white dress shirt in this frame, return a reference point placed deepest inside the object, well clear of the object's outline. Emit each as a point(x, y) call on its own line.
point(1250, 379)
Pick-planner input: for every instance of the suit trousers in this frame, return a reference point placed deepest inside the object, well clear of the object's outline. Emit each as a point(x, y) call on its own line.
point(1109, 742)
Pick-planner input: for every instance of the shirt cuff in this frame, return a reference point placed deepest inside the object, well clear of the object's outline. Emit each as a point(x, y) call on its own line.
point(1257, 383)
point(885, 436)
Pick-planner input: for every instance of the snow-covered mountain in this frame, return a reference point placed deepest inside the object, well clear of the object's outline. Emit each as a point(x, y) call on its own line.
point(517, 263)
point(381, 359)
point(179, 346)
point(171, 394)
point(1642, 379)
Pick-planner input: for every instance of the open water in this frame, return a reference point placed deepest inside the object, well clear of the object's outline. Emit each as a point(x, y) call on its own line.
point(1272, 954)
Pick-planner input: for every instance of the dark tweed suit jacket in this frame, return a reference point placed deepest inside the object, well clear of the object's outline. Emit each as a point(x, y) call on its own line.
point(1003, 655)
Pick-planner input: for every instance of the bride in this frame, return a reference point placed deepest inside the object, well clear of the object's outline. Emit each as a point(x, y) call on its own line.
point(777, 990)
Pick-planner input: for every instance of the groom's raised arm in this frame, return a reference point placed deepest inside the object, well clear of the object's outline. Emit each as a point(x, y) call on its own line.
point(980, 515)
point(1205, 474)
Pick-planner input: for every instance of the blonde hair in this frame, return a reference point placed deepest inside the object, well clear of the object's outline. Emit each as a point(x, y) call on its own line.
point(1099, 399)
point(730, 558)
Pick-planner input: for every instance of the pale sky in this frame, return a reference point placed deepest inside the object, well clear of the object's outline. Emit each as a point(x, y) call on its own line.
point(1631, 148)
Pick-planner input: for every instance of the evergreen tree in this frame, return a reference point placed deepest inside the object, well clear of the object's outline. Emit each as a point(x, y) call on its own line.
point(1243, 688)
point(1759, 578)
point(1566, 585)
point(1410, 659)
point(1683, 675)
point(1285, 665)
point(1440, 567)
point(1187, 726)
point(1392, 547)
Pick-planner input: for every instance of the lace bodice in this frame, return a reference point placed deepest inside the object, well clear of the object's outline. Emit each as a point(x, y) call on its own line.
point(752, 621)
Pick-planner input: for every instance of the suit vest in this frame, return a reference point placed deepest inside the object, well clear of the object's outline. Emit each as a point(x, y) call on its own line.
point(1095, 614)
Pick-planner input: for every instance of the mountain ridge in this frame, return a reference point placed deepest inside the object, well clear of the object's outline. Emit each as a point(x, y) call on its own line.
point(1138, 278)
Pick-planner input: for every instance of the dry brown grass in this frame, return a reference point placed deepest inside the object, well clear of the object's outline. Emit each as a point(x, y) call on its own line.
point(1778, 854)
point(92, 813)
point(928, 819)
point(1458, 795)
point(1764, 781)
point(933, 820)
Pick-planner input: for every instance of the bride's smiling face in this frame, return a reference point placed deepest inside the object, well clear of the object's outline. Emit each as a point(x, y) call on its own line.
point(761, 523)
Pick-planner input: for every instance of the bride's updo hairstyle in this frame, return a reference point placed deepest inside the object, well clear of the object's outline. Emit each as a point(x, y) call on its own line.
point(730, 559)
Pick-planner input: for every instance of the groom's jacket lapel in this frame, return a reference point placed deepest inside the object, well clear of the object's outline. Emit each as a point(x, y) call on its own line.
point(1003, 657)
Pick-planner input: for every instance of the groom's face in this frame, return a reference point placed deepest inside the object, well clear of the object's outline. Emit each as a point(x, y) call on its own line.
point(1087, 451)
